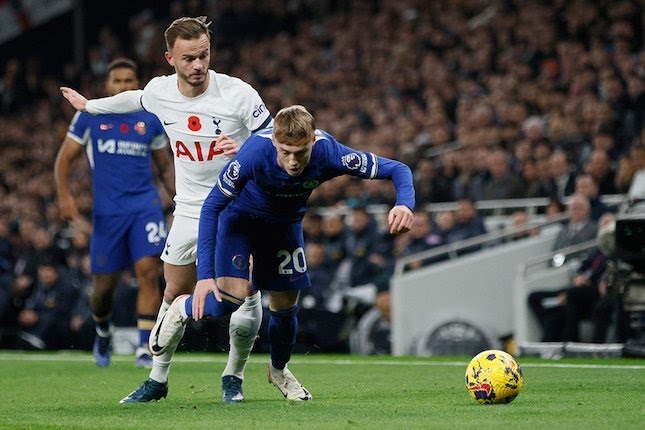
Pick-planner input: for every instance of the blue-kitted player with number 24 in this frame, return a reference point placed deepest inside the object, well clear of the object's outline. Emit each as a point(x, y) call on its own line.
point(127, 218)
point(265, 190)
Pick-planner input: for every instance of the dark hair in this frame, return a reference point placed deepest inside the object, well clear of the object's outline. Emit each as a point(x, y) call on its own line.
point(186, 28)
point(122, 63)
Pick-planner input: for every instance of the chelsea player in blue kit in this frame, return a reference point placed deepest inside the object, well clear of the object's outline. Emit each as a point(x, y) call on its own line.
point(264, 190)
point(127, 216)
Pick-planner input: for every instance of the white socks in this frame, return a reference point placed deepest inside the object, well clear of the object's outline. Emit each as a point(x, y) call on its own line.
point(243, 329)
point(161, 363)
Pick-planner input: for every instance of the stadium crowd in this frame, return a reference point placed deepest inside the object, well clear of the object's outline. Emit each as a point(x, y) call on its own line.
point(483, 100)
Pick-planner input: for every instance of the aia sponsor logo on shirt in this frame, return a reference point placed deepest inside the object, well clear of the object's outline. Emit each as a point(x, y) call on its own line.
point(198, 151)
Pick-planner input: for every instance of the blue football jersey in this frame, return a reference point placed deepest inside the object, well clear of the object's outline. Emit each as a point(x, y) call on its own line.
point(254, 184)
point(118, 148)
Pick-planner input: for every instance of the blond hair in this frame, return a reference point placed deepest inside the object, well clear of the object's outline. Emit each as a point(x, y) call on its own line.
point(293, 125)
point(186, 28)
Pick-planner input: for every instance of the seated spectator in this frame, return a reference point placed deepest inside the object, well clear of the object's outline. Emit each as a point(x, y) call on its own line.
point(559, 312)
point(45, 320)
point(520, 219)
point(629, 165)
point(587, 186)
point(429, 186)
point(321, 274)
point(334, 238)
point(554, 207)
point(371, 261)
point(445, 222)
point(532, 183)
point(579, 227)
point(320, 317)
point(421, 238)
point(562, 175)
point(598, 166)
point(81, 323)
point(312, 227)
point(468, 223)
point(502, 182)
point(368, 250)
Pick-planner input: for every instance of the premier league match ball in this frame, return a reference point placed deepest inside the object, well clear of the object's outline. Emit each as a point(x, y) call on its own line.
point(494, 376)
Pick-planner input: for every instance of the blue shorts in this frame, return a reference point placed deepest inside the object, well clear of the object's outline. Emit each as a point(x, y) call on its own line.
point(118, 241)
point(278, 252)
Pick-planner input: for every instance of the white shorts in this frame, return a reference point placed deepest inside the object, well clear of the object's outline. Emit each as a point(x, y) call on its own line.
point(181, 244)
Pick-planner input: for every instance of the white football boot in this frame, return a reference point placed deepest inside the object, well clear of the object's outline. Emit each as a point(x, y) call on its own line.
point(169, 329)
point(288, 385)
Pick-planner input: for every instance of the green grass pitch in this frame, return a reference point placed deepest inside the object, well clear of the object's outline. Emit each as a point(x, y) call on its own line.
point(67, 391)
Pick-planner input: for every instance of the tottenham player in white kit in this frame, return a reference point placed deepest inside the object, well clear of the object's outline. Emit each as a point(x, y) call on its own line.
point(207, 116)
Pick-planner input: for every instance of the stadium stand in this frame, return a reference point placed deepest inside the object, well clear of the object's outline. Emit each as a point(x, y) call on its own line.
point(449, 85)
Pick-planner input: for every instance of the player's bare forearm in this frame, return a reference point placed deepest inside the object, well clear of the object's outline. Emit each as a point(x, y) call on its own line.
point(78, 101)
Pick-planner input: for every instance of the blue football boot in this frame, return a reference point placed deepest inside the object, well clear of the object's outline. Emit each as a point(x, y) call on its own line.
point(149, 391)
point(232, 389)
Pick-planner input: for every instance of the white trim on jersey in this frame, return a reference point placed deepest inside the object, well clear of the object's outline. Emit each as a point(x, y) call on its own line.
point(224, 191)
point(89, 148)
point(374, 166)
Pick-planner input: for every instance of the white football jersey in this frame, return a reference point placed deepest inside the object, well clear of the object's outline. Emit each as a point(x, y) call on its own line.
point(229, 106)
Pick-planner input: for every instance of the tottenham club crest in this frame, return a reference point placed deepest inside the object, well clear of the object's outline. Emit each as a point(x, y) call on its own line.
point(218, 130)
point(352, 161)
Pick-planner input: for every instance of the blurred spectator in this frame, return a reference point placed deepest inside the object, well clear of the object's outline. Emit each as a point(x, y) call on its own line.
point(335, 238)
point(469, 181)
point(562, 175)
point(520, 219)
point(321, 274)
point(468, 222)
point(430, 186)
point(320, 319)
point(554, 207)
point(587, 186)
point(580, 226)
point(503, 183)
point(629, 165)
point(45, 320)
point(598, 166)
point(367, 249)
point(421, 238)
point(312, 227)
point(532, 184)
point(445, 222)
point(81, 323)
point(559, 312)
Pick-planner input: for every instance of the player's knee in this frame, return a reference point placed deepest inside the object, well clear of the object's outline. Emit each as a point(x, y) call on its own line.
point(281, 300)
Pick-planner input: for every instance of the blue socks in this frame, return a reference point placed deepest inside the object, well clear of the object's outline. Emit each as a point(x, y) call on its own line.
point(213, 308)
point(283, 328)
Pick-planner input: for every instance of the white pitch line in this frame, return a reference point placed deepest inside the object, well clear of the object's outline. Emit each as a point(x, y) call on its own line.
point(303, 361)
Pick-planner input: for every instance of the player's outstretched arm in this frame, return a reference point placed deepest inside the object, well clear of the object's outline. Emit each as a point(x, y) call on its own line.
point(124, 102)
point(400, 219)
point(78, 101)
